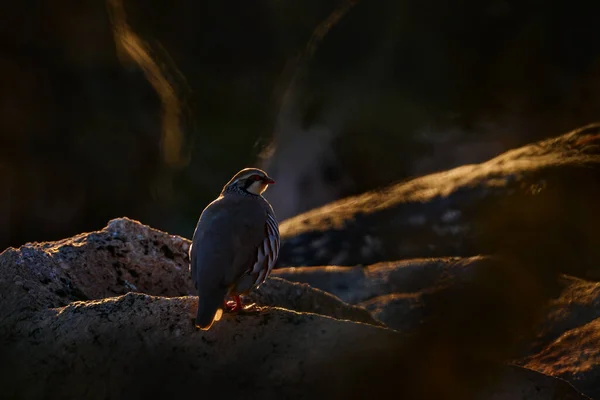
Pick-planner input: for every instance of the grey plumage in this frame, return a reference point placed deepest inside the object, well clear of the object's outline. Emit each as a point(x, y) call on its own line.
point(235, 244)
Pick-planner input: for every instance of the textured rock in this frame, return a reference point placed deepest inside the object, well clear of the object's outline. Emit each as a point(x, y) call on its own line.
point(139, 346)
point(404, 294)
point(127, 256)
point(356, 284)
point(64, 333)
point(301, 297)
point(488, 307)
point(574, 356)
point(535, 202)
point(73, 326)
point(136, 345)
point(577, 304)
point(568, 341)
point(402, 311)
point(521, 383)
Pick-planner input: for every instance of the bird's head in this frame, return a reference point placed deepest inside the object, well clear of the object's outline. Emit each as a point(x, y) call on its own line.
point(249, 180)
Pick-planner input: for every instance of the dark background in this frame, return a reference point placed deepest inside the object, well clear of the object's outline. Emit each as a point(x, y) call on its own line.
point(394, 89)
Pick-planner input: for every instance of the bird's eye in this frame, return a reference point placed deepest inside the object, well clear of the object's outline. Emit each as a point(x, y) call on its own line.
point(255, 178)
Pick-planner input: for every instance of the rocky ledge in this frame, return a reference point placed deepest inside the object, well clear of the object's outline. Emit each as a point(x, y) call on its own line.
point(457, 314)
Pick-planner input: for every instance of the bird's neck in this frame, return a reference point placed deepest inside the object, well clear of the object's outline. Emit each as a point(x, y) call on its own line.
point(237, 191)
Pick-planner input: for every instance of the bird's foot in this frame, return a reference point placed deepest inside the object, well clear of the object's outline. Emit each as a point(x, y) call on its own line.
point(255, 310)
point(237, 306)
point(230, 306)
point(251, 308)
point(234, 305)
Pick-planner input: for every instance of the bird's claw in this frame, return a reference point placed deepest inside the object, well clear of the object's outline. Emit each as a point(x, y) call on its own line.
point(250, 307)
point(233, 306)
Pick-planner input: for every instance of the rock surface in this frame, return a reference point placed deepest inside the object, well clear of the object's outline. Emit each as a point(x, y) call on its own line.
point(276, 292)
point(127, 256)
point(535, 202)
point(357, 284)
point(147, 346)
point(574, 356)
point(527, 384)
point(481, 303)
point(568, 342)
point(74, 327)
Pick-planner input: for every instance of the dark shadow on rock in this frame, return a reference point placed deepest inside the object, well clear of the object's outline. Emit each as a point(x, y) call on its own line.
point(468, 330)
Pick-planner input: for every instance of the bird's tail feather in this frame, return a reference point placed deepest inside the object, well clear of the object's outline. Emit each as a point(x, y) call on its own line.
point(210, 308)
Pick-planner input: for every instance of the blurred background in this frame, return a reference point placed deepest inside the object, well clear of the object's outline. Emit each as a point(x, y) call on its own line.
point(146, 109)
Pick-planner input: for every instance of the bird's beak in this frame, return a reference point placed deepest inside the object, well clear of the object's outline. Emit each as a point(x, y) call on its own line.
point(269, 181)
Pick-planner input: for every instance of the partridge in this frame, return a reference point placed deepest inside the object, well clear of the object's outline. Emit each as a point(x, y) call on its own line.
point(234, 247)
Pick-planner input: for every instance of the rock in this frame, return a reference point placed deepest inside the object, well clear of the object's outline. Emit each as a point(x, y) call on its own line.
point(357, 284)
point(136, 345)
point(127, 256)
point(574, 356)
point(67, 332)
point(364, 114)
point(521, 203)
point(448, 374)
point(487, 306)
point(577, 304)
point(403, 294)
point(567, 343)
point(453, 296)
point(522, 383)
point(401, 311)
point(277, 292)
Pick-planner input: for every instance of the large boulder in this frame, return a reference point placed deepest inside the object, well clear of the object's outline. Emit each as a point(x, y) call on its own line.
point(137, 345)
point(536, 203)
point(124, 257)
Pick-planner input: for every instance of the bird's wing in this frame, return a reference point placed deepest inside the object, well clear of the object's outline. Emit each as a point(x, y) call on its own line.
point(225, 242)
point(205, 253)
point(267, 251)
point(250, 236)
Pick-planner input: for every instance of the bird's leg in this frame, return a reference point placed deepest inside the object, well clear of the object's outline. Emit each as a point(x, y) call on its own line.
point(229, 305)
point(236, 305)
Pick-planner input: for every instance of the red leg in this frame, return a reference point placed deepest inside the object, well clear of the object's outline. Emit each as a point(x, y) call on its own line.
point(233, 305)
point(229, 305)
point(236, 305)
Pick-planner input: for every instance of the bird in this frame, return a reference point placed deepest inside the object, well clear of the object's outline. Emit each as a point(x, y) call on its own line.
point(234, 246)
